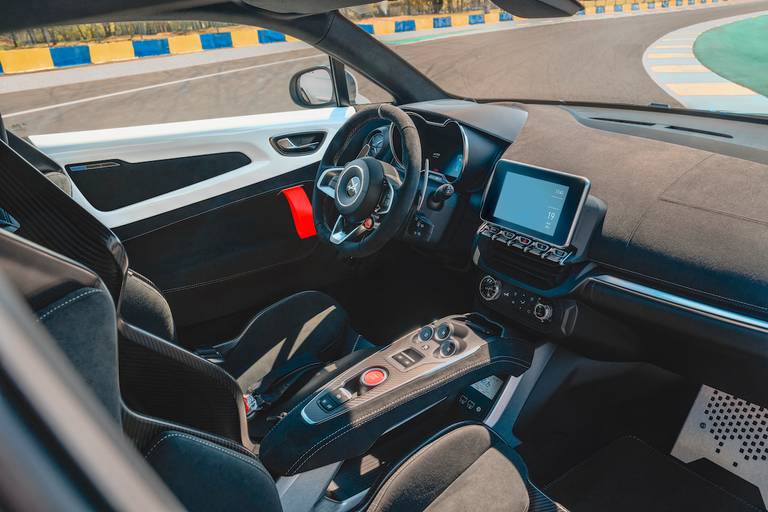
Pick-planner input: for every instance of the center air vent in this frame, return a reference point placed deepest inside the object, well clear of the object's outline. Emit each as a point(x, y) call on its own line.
point(531, 270)
point(702, 132)
point(623, 121)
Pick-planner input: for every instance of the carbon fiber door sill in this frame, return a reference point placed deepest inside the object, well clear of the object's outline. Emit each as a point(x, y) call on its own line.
point(729, 432)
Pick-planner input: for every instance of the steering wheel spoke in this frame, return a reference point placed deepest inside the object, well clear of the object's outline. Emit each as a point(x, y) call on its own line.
point(341, 233)
point(393, 176)
point(327, 181)
point(387, 198)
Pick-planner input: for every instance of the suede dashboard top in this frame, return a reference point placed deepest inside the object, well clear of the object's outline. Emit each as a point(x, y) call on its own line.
point(683, 217)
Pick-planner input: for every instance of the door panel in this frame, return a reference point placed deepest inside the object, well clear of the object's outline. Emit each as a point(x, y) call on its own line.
point(202, 261)
point(113, 184)
point(253, 233)
point(199, 208)
point(249, 135)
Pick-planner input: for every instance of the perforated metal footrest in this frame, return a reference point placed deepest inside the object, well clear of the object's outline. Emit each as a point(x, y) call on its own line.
point(730, 432)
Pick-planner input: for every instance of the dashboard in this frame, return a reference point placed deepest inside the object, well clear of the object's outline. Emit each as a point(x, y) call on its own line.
point(652, 234)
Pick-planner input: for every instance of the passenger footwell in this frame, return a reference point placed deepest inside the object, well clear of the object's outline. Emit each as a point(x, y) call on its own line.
point(631, 476)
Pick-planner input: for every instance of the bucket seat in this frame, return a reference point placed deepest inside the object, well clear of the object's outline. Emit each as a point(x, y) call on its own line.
point(282, 347)
point(466, 467)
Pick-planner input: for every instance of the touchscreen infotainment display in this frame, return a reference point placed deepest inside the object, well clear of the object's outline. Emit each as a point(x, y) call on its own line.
point(538, 202)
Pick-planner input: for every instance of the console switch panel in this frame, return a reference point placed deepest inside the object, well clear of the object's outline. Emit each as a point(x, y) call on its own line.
point(341, 394)
point(327, 402)
point(407, 358)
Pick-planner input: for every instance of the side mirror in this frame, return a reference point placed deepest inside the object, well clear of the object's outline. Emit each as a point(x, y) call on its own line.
point(313, 87)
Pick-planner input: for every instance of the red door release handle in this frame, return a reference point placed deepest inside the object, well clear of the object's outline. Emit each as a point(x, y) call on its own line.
point(301, 210)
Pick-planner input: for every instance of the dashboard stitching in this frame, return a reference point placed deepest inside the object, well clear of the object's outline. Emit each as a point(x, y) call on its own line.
point(658, 198)
point(712, 210)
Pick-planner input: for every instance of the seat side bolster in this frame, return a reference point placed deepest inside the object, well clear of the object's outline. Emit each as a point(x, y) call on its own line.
point(205, 476)
point(144, 306)
point(424, 474)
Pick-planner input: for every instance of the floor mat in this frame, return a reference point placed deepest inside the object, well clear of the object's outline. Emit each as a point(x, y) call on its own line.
point(631, 476)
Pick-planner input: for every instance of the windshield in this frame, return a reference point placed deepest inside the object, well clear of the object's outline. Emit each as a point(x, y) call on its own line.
point(697, 54)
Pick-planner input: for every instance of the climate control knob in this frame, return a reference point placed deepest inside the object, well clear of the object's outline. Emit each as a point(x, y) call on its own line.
point(490, 288)
point(542, 312)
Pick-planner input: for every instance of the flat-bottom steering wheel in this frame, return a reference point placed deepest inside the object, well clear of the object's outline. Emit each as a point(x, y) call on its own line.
point(371, 200)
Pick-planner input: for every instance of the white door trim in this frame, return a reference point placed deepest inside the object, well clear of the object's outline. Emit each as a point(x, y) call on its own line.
point(246, 134)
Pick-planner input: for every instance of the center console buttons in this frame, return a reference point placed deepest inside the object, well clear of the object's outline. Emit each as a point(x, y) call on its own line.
point(448, 348)
point(523, 241)
point(557, 255)
point(426, 333)
point(407, 358)
point(342, 394)
point(489, 231)
point(531, 247)
point(503, 237)
point(443, 331)
point(327, 403)
point(537, 248)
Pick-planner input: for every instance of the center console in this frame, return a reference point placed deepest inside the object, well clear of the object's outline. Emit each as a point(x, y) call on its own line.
point(532, 246)
point(346, 416)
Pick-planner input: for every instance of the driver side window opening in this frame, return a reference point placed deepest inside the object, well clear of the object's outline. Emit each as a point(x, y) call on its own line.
point(111, 75)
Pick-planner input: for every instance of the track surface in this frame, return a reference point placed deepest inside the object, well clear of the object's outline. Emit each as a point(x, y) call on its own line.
point(591, 59)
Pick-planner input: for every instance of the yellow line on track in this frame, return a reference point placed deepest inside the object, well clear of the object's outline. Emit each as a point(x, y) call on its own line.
point(673, 55)
point(673, 46)
point(711, 89)
point(680, 68)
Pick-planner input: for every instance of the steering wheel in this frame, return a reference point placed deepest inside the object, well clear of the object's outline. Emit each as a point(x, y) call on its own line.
point(370, 201)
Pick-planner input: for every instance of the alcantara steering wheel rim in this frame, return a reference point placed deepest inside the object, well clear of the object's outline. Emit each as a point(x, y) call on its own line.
point(370, 199)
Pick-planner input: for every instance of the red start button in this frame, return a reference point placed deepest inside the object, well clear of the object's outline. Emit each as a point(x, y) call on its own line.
point(373, 377)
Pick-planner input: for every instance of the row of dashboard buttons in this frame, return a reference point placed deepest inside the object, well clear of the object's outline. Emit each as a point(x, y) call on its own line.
point(524, 243)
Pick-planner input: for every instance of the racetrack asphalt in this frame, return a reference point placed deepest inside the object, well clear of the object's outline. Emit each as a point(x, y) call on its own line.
point(592, 59)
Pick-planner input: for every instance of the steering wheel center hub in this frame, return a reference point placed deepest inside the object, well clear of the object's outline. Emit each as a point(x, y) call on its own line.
point(354, 185)
point(359, 188)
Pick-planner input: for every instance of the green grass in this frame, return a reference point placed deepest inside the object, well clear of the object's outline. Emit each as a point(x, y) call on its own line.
point(426, 37)
point(738, 52)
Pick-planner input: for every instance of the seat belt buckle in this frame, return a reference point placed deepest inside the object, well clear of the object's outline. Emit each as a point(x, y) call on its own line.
point(253, 404)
